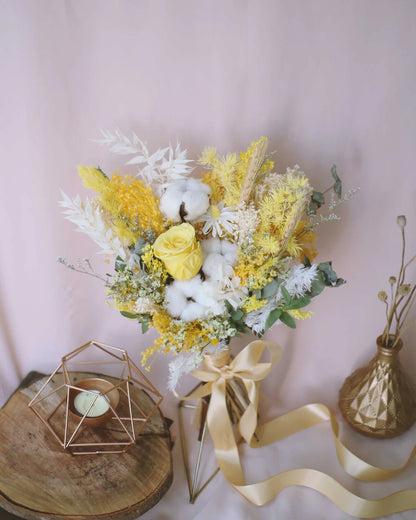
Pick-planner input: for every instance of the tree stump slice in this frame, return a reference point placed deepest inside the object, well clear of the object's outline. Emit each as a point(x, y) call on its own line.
point(39, 479)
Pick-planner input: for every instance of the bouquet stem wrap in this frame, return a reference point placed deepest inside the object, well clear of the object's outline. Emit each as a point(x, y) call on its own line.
point(250, 371)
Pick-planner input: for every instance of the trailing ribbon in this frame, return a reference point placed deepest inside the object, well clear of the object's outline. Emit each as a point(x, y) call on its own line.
point(247, 368)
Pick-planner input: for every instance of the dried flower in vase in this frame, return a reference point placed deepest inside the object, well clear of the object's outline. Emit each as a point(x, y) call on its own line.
point(402, 297)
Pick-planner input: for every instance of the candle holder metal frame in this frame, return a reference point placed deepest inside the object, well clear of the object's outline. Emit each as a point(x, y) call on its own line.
point(51, 404)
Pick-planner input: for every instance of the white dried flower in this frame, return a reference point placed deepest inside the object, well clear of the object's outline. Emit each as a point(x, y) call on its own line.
point(145, 306)
point(93, 220)
point(300, 280)
point(164, 166)
point(219, 219)
point(246, 221)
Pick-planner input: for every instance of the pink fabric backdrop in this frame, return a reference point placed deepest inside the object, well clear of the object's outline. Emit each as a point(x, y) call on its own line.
point(327, 81)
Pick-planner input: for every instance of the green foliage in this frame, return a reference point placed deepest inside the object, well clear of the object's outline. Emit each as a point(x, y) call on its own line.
point(236, 317)
point(130, 315)
point(298, 303)
point(318, 198)
point(269, 290)
point(338, 183)
point(120, 265)
point(325, 277)
point(272, 318)
point(285, 294)
point(287, 319)
point(145, 325)
point(140, 245)
point(144, 319)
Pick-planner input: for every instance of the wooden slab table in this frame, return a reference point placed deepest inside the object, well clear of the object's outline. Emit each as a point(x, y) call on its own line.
point(39, 479)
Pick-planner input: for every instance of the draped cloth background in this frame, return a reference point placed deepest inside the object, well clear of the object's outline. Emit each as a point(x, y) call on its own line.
point(327, 81)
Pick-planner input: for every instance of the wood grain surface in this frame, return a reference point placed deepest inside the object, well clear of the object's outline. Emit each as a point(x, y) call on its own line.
point(39, 479)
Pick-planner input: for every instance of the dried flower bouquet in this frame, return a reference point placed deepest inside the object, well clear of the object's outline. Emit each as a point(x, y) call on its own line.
point(204, 260)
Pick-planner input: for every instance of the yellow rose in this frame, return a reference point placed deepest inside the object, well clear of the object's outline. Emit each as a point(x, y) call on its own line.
point(179, 251)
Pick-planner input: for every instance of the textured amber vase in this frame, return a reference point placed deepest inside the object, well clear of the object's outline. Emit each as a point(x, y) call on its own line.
point(378, 400)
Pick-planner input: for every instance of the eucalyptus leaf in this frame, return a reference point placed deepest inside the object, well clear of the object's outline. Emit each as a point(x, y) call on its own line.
point(120, 264)
point(272, 318)
point(338, 182)
point(237, 315)
point(298, 304)
point(230, 308)
point(306, 261)
point(334, 173)
point(318, 285)
point(330, 275)
point(286, 294)
point(287, 319)
point(145, 326)
point(270, 289)
point(312, 208)
point(318, 198)
point(130, 315)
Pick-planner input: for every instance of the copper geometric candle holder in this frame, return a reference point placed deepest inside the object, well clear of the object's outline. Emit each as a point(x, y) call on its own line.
point(90, 413)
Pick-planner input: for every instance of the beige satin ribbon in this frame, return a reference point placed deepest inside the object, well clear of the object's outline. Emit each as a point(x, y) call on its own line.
point(247, 368)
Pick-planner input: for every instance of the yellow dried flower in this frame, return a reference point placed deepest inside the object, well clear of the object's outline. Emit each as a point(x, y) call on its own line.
point(130, 201)
point(280, 214)
point(298, 314)
point(382, 295)
point(251, 303)
point(228, 175)
point(404, 289)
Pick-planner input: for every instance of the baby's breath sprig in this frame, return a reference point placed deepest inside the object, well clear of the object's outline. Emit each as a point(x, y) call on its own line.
point(82, 266)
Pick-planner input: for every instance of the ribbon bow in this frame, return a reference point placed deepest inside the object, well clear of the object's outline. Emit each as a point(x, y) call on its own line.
point(246, 367)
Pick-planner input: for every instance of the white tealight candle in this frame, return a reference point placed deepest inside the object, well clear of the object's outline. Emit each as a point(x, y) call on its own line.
point(83, 401)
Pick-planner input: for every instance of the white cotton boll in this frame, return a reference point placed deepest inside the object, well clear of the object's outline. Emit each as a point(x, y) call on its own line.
point(210, 296)
point(176, 300)
point(206, 293)
point(193, 194)
point(211, 245)
point(170, 203)
point(196, 203)
point(196, 185)
point(229, 250)
point(193, 311)
point(216, 307)
point(214, 266)
point(188, 287)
